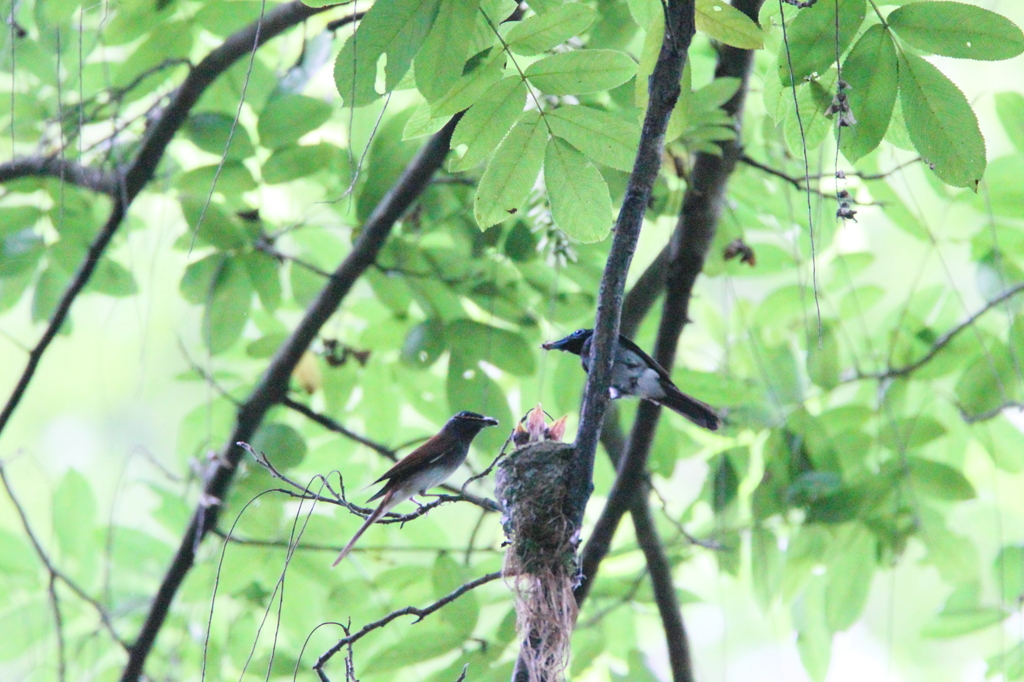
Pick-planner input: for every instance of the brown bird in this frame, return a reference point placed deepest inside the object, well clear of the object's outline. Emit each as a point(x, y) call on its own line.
point(427, 466)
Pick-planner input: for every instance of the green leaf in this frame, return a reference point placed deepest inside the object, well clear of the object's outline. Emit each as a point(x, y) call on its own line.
point(432, 639)
point(1010, 107)
point(20, 252)
point(580, 203)
point(25, 626)
point(941, 123)
point(232, 178)
point(813, 98)
point(900, 435)
point(726, 24)
point(113, 279)
point(957, 623)
point(440, 61)
point(18, 561)
point(486, 123)
point(173, 40)
point(227, 308)
point(1001, 440)
point(648, 57)
point(765, 565)
point(871, 71)
point(812, 38)
point(541, 32)
point(198, 277)
point(292, 162)
point(210, 130)
point(396, 28)
point(424, 343)
point(469, 388)
point(987, 383)
point(955, 29)
point(724, 483)
point(263, 273)
point(50, 287)
point(74, 514)
point(849, 578)
point(504, 349)
point(1009, 572)
point(823, 363)
point(14, 219)
point(462, 614)
point(955, 556)
point(939, 480)
point(281, 443)
point(217, 228)
point(286, 118)
point(506, 184)
point(813, 638)
point(605, 138)
point(470, 88)
point(581, 71)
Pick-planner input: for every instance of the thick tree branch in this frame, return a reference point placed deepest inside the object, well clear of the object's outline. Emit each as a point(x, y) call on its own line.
point(660, 569)
point(691, 240)
point(273, 386)
point(658, 565)
point(96, 179)
point(140, 171)
point(664, 91)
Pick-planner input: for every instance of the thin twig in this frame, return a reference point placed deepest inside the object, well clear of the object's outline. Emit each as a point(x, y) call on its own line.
point(420, 614)
point(52, 568)
point(273, 384)
point(317, 547)
point(943, 340)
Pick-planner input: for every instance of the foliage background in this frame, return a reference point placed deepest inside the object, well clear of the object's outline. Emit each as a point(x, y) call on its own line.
point(116, 423)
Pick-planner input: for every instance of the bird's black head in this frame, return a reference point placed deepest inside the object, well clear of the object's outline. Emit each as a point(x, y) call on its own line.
point(572, 343)
point(469, 423)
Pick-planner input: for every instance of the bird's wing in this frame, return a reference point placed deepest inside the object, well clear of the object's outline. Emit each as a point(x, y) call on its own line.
point(630, 346)
point(424, 454)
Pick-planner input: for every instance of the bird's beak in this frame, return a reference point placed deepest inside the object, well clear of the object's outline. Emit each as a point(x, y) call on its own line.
point(555, 345)
point(489, 421)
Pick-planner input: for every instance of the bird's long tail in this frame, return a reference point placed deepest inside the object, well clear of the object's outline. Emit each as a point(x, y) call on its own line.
point(380, 511)
point(696, 411)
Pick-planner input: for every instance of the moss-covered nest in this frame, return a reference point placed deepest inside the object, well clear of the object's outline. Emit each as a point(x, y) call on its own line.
point(540, 564)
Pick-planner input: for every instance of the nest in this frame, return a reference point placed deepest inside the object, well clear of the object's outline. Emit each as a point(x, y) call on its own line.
point(540, 564)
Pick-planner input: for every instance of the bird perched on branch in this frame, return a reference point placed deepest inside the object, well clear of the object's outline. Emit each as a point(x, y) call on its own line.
point(427, 466)
point(635, 373)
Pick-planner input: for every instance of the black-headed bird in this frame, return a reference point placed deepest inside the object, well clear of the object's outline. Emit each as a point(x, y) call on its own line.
point(427, 466)
point(635, 373)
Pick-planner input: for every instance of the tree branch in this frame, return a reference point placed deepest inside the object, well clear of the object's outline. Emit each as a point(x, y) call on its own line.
point(688, 250)
point(660, 570)
point(56, 573)
point(407, 611)
point(96, 179)
point(691, 240)
point(273, 386)
point(664, 92)
point(150, 152)
point(943, 340)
